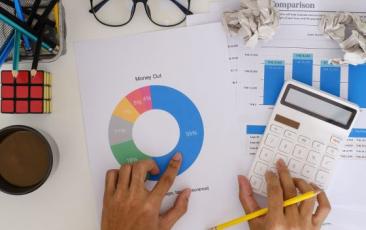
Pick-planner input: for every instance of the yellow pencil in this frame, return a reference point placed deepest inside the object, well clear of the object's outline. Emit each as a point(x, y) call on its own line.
point(57, 17)
point(264, 211)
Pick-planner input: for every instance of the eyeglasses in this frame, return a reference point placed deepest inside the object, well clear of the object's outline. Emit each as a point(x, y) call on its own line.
point(116, 13)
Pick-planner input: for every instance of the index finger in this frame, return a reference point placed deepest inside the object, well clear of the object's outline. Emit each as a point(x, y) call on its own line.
point(275, 195)
point(167, 179)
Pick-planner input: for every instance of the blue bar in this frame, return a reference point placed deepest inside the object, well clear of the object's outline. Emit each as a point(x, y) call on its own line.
point(256, 129)
point(302, 68)
point(330, 78)
point(274, 78)
point(357, 85)
point(358, 133)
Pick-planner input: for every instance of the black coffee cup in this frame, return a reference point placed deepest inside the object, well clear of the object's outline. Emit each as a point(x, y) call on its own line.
point(44, 166)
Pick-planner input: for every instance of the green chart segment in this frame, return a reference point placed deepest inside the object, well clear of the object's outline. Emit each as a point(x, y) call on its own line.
point(156, 98)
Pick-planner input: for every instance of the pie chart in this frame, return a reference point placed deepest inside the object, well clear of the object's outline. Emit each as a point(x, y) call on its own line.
point(156, 98)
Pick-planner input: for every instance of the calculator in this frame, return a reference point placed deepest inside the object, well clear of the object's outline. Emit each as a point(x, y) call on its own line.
point(307, 130)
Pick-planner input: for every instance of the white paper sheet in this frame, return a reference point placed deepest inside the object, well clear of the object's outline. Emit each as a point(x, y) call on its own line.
point(192, 60)
point(298, 34)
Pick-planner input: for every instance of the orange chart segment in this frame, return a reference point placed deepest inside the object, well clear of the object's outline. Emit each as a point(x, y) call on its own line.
point(141, 99)
point(126, 111)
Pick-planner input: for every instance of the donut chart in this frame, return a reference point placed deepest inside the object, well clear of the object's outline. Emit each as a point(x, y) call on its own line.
point(163, 98)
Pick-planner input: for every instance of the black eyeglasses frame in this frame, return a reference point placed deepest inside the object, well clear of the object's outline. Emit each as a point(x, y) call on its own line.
point(94, 9)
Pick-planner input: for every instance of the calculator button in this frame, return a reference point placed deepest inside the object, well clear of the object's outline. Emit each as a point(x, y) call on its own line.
point(266, 155)
point(264, 188)
point(295, 166)
point(300, 152)
point(276, 129)
point(272, 141)
point(260, 168)
point(327, 163)
point(280, 156)
point(335, 140)
point(332, 151)
point(318, 146)
point(308, 171)
point(314, 157)
point(285, 146)
point(322, 177)
point(256, 182)
point(304, 140)
point(290, 135)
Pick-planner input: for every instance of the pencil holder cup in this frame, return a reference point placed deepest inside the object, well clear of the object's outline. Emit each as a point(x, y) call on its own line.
point(55, 31)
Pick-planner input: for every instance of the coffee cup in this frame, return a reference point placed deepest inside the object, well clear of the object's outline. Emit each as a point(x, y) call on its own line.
point(27, 158)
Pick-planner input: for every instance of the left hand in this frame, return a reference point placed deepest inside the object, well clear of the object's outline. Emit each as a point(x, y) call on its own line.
point(128, 205)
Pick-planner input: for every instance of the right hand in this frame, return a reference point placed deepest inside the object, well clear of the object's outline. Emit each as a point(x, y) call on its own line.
point(280, 188)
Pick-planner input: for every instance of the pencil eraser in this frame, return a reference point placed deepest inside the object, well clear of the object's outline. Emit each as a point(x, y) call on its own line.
point(7, 77)
point(7, 106)
point(21, 107)
point(38, 78)
point(7, 92)
point(22, 92)
point(36, 106)
point(36, 92)
point(23, 77)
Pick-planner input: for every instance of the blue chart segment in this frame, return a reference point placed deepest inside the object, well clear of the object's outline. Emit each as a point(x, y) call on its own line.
point(330, 78)
point(274, 78)
point(357, 85)
point(190, 124)
point(156, 98)
point(302, 68)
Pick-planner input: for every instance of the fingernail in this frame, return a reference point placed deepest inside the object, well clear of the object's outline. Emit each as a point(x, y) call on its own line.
point(269, 173)
point(188, 193)
point(177, 157)
point(281, 164)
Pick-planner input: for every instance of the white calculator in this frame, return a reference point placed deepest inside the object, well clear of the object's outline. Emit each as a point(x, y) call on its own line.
point(306, 130)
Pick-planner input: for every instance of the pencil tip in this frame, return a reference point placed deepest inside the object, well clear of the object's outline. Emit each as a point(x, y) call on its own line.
point(14, 73)
point(33, 72)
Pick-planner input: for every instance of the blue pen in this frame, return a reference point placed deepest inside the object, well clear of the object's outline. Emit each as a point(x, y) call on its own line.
point(7, 48)
point(18, 9)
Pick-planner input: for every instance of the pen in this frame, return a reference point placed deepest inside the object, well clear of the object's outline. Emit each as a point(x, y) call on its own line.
point(264, 211)
point(6, 48)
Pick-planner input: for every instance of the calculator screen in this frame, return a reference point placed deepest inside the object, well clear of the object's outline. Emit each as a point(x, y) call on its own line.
point(317, 106)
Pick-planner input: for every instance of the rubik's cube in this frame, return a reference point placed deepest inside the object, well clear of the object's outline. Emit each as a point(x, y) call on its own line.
point(25, 94)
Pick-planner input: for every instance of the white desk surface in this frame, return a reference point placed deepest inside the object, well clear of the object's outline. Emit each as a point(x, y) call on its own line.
point(67, 201)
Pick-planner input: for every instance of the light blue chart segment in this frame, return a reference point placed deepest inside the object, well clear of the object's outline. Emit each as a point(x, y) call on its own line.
point(190, 124)
point(274, 78)
point(302, 68)
point(357, 85)
point(330, 78)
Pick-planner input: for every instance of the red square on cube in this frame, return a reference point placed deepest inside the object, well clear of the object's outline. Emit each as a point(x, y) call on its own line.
point(23, 77)
point(7, 77)
point(36, 92)
point(7, 106)
point(7, 91)
point(21, 107)
point(38, 78)
point(36, 106)
point(22, 92)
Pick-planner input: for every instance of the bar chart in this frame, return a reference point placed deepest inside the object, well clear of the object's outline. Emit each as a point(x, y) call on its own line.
point(303, 70)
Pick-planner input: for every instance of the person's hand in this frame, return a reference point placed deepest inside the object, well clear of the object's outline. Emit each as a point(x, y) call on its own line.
point(280, 188)
point(129, 205)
